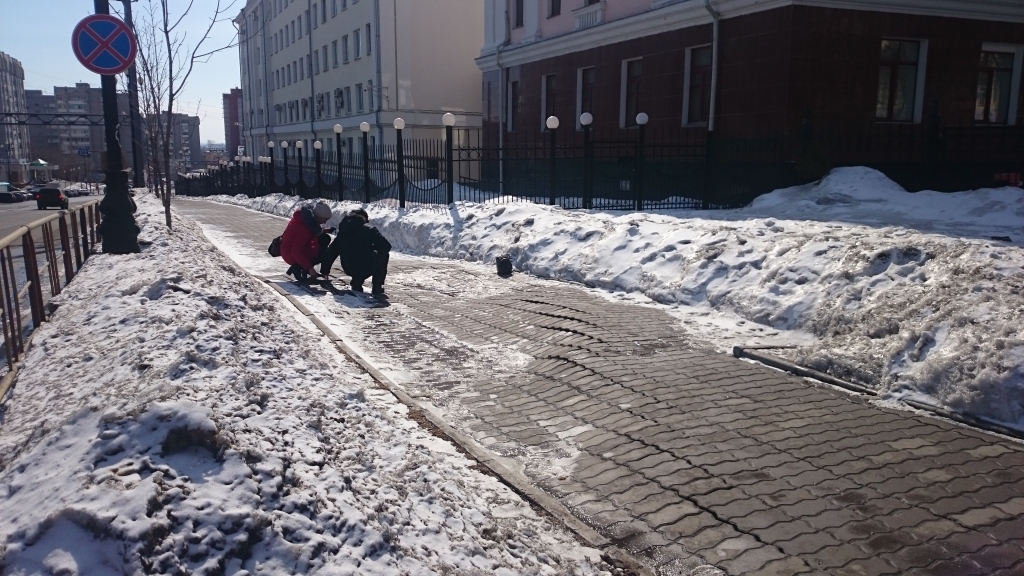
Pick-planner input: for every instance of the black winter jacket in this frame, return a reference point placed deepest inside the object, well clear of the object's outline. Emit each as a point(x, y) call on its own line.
point(357, 246)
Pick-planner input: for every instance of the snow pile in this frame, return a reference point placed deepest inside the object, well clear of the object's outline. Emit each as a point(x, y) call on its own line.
point(176, 417)
point(907, 293)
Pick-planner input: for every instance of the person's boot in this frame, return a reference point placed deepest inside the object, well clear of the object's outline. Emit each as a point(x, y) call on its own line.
point(292, 270)
point(357, 288)
point(378, 291)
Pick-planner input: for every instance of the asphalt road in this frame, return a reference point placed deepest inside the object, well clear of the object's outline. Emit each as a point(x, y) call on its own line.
point(22, 213)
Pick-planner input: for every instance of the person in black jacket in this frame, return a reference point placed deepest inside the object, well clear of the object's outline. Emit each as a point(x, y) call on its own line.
point(363, 251)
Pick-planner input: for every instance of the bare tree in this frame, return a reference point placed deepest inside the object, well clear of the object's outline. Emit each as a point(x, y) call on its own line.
point(168, 58)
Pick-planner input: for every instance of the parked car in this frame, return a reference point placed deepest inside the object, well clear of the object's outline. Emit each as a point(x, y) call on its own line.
point(8, 197)
point(46, 197)
point(22, 196)
point(71, 192)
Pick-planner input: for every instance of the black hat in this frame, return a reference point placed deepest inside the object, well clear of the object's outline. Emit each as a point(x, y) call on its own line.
point(362, 213)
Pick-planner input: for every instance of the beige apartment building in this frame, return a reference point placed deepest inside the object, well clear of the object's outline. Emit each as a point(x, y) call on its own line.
point(307, 65)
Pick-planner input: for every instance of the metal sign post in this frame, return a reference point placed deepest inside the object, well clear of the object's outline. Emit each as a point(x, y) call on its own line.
point(106, 46)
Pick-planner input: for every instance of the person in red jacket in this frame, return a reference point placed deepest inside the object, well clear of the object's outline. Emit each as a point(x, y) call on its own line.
point(305, 240)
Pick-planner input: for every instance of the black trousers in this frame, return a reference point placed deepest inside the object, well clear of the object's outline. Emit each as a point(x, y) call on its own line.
point(379, 271)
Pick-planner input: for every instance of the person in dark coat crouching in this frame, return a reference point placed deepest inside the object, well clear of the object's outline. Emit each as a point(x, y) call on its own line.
point(305, 240)
point(363, 251)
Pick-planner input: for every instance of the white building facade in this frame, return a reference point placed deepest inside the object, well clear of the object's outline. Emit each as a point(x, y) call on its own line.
point(14, 139)
point(307, 65)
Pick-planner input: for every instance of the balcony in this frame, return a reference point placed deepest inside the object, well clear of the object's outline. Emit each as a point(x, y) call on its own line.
point(589, 16)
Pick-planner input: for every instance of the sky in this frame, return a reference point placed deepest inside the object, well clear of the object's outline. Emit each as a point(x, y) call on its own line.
point(44, 50)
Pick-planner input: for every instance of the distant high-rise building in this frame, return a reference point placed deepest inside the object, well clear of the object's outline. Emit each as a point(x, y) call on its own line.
point(233, 121)
point(74, 137)
point(186, 149)
point(14, 140)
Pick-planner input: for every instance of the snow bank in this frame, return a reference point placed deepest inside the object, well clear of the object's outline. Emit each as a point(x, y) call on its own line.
point(907, 293)
point(175, 417)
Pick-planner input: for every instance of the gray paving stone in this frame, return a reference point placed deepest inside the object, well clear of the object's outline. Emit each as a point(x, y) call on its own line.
point(681, 422)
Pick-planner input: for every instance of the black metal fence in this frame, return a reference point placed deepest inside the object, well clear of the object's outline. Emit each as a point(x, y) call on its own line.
point(631, 169)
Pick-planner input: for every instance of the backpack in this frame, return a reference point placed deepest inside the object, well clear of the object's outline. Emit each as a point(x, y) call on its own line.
point(275, 247)
point(504, 263)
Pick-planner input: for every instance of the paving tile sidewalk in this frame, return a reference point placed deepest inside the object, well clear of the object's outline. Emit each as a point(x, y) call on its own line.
point(681, 455)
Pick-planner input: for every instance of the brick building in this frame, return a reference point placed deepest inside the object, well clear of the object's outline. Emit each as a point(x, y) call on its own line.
point(233, 121)
point(846, 63)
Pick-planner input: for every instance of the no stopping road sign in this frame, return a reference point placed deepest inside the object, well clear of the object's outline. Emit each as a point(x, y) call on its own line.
point(104, 44)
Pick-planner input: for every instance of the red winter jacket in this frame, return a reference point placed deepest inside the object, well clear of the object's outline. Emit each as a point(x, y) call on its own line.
point(298, 243)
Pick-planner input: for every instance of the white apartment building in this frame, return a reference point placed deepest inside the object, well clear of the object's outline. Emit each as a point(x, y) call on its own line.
point(307, 65)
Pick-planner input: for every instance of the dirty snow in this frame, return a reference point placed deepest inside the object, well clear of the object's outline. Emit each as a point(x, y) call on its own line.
point(913, 294)
point(177, 416)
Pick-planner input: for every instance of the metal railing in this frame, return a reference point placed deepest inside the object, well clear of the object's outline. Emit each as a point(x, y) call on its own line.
point(36, 262)
point(638, 168)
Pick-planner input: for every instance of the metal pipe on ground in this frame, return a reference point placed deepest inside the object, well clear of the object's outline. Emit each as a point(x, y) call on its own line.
point(781, 364)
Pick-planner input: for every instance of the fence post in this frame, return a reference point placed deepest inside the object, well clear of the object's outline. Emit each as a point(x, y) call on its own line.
point(400, 157)
point(65, 246)
point(319, 177)
point(35, 291)
point(365, 129)
point(449, 154)
point(638, 194)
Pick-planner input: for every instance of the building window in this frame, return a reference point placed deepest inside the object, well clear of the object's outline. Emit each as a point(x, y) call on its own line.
point(359, 97)
point(357, 43)
point(325, 57)
point(334, 8)
point(344, 49)
point(897, 80)
point(334, 52)
point(315, 23)
point(302, 70)
point(369, 93)
point(513, 105)
point(323, 12)
point(316, 62)
point(697, 90)
point(995, 77)
point(518, 15)
point(554, 8)
point(547, 103)
point(309, 64)
point(369, 43)
point(584, 92)
point(630, 91)
point(348, 100)
point(344, 4)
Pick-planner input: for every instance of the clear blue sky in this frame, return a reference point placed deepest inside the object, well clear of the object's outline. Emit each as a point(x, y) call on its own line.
point(38, 33)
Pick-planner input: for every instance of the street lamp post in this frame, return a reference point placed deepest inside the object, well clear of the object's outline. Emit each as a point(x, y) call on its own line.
point(118, 228)
point(364, 127)
point(319, 181)
point(449, 132)
point(552, 124)
point(270, 179)
point(284, 160)
point(302, 178)
point(400, 153)
point(586, 119)
point(337, 151)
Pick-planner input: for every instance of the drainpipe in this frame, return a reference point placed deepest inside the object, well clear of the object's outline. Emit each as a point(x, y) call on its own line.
point(312, 82)
point(714, 64)
point(502, 85)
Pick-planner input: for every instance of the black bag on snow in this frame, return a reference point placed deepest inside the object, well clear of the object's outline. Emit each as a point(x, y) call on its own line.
point(275, 247)
point(504, 263)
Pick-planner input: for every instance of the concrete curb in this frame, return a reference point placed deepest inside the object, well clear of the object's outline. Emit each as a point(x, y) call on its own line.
point(518, 482)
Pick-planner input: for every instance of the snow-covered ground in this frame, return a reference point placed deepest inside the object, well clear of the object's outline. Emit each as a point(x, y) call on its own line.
point(177, 416)
point(912, 294)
